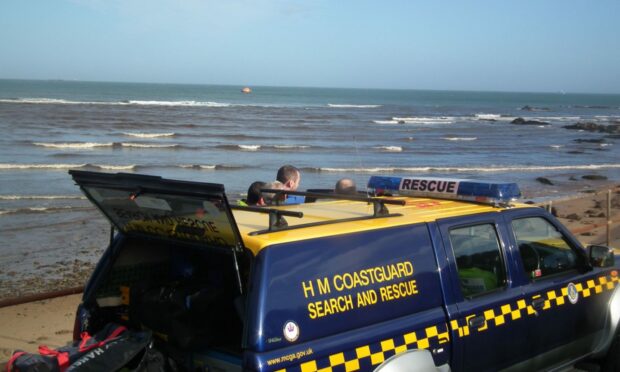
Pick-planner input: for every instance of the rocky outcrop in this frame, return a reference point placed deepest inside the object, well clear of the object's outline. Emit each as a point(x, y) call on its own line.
point(531, 108)
point(594, 177)
point(521, 121)
point(544, 181)
point(593, 127)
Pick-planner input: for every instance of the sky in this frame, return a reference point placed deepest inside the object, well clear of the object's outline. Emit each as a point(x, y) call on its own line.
point(495, 45)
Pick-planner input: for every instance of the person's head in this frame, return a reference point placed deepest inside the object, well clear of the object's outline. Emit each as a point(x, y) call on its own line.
point(270, 197)
point(345, 186)
point(254, 194)
point(289, 176)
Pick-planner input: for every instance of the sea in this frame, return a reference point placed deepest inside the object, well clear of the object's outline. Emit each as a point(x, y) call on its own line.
point(213, 133)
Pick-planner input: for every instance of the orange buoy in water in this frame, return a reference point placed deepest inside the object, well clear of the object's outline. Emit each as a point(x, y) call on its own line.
point(246, 90)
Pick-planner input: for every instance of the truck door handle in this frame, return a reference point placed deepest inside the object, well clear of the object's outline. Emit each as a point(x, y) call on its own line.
point(538, 303)
point(477, 321)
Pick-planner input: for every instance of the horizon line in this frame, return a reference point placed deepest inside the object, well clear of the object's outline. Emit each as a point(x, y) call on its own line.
point(562, 92)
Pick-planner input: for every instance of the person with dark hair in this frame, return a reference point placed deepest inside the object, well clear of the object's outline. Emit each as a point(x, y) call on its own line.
point(255, 197)
point(290, 177)
point(345, 186)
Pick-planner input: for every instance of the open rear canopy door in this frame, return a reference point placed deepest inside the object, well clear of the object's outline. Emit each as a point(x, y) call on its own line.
point(149, 205)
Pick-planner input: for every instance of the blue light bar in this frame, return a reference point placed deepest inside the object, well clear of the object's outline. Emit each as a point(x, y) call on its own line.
point(495, 193)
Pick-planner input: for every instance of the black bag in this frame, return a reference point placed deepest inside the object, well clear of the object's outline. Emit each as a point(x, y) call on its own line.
point(110, 349)
point(182, 312)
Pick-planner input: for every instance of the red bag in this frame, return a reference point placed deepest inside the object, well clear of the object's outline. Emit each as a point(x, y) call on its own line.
point(51, 360)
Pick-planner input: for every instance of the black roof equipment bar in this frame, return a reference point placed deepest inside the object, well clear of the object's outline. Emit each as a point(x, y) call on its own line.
point(276, 219)
point(278, 223)
point(379, 209)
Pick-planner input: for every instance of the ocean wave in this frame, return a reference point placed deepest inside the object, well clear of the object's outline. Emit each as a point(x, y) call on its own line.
point(417, 120)
point(149, 145)
point(425, 120)
point(343, 105)
point(240, 147)
point(178, 103)
point(112, 167)
point(164, 103)
point(489, 169)
point(276, 148)
point(92, 145)
point(249, 147)
point(198, 166)
point(493, 117)
point(459, 138)
point(488, 116)
point(149, 135)
point(6, 166)
point(33, 210)
point(556, 146)
point(389, 148)
point(385, 122)
point(55, 101)
point(214, 167)
point(41, 197)
point(75, 145)
point(9, 167)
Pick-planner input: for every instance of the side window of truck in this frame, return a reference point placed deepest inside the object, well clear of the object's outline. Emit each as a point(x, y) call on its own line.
point(478, 259)
point(544, 250)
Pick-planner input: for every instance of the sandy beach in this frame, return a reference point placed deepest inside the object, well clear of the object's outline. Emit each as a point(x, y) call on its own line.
point(50, 322)
point(26, 326)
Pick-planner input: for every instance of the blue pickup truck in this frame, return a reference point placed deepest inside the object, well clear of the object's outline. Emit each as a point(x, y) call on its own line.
point(417, 274)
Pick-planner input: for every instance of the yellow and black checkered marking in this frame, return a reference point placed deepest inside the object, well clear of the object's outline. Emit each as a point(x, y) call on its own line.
point(364, 357)
point(586, 289)
point(493, 317)
point(497, 317)
point(374, 354)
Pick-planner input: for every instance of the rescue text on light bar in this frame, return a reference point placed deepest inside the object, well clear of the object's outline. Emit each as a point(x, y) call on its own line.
point(446, 188)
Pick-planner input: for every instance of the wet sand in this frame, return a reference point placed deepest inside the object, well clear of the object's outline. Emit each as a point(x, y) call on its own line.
point(39, 256)
point(26, 326)
point(50, 322)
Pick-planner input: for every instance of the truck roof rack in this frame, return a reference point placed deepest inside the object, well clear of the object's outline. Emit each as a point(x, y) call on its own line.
point(276, 216)
point(278, 223)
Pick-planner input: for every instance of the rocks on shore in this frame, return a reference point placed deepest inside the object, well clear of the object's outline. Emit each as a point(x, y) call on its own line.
point(521, 121)
point(589, 140)
point(593, 127)
point(544, 180)
point(594, 177)
point(533, 108)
